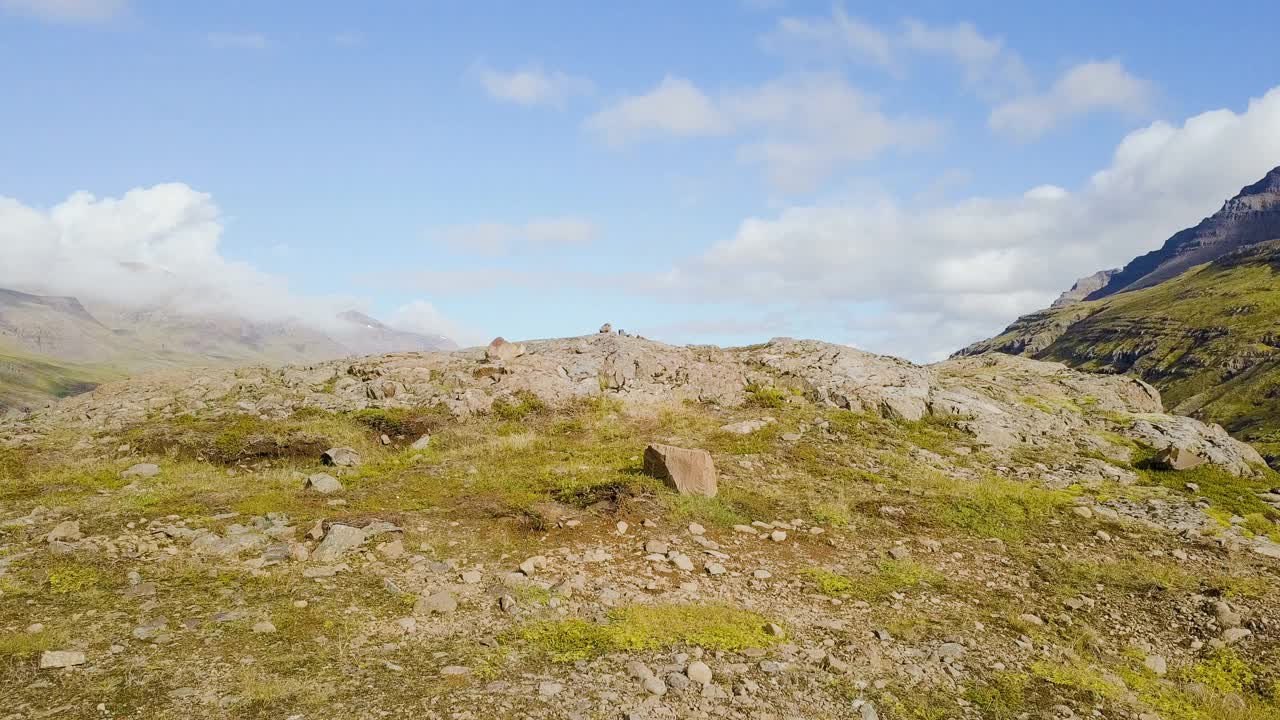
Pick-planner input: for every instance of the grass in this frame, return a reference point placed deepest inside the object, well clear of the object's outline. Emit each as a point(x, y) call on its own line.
point(1226, 492)
point(890, 576)
point(640, 628)
point(996, 507)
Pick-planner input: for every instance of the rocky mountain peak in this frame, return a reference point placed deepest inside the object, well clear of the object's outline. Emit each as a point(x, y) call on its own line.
point(1249, 218)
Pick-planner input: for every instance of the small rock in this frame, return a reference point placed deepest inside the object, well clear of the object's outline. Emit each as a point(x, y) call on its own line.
point(655, 546)
point(1103, 535)
point(53, 659)
point(421, 443)
point(442, 602)
point(699, 672)
point(696, 529)
point(66, 531)
point(264, 627)
point(713, 568)
point(1156, 664)
point(778, 536)
point(1031, 619)
point(142, 470)
point(655, 686)
point(550, 689)
point(455, 670)
point(1235, 635)
point(898, 552)
point(322, 483)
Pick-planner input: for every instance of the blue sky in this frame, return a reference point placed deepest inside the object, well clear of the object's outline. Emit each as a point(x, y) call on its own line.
point(700, 172)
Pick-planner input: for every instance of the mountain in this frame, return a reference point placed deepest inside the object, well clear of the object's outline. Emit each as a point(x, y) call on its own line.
point(364, 335)
point(608, 527)
point(1251, 217)
point(1199, 319)
point(56, 346)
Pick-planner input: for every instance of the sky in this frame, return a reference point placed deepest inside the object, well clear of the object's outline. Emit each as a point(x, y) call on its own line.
point(905, 178)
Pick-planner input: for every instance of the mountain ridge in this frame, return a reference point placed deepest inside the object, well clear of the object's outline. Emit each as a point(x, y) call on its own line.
point(64, 345)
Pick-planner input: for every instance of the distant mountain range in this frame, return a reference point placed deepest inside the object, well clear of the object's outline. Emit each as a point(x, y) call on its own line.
point(56, 346)
point(1199, 319)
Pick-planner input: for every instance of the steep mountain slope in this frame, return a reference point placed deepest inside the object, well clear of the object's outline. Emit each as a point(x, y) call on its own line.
point(1251, 217)
point(55, 346)
point(1209, 339)
point(981, 539)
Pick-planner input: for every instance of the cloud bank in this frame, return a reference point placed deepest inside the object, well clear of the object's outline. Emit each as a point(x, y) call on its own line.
point(929, 280)
point(151, 247)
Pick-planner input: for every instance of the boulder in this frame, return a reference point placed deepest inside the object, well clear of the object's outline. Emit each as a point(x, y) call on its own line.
point(688, 471)
point(1177, 458)
point(339, 540)
point(502, 351)
point(322, 483)
point(340, 457)
point(141, 470)
point(606, 328)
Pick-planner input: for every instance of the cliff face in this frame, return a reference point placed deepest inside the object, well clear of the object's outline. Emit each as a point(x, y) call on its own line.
point(1249, 218)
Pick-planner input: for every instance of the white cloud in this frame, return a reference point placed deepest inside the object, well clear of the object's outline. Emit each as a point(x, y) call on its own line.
point(802, 128)
point(152, 247)
point(988, 65)
point(242, 41)
point(424, 318)
point(67, 11)
point(939, 277)
point(836, 36)
point(675, 107)
point(1088, 87)
point(494, 238)
point(812, 125)
point(532, 85)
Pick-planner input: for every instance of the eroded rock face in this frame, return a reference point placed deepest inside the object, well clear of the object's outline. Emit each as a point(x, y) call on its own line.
point(688, 471)
point(1003, 401)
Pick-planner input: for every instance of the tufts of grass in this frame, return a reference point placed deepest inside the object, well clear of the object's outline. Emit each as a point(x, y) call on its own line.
point(765, 396)
point(1003, 697)
point(890, 576)
point(523, 405)
point(996, 507)
point(1226, 492)
point(640, 627)
point(24, 644)
point(1078, 677)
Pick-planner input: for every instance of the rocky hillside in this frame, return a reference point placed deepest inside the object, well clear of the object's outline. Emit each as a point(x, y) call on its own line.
point(1209, 339)
point(607, 527)
point(1249, 218)
point(57, 346)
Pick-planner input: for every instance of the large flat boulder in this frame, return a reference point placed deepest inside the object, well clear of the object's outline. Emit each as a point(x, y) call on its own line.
point(688, 471)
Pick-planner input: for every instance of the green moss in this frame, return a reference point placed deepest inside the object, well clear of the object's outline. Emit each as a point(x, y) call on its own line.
point(641, 627)
point(832, 513)
point(73, 578)
point(998, 508)
point(1224, 671)
point(1003, 697)
point(1226, 492)
point(1077, 676)
point(889, 577)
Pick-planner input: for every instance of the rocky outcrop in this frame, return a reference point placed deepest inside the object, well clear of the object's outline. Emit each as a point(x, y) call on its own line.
point(1084, 287)
point(1003, 401)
